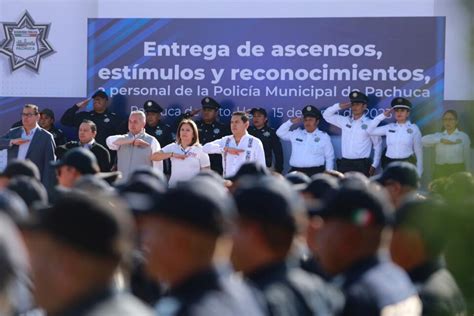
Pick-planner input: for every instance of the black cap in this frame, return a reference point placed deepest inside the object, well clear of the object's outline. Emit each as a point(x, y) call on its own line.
point(81, 159)
point(311, 111)
point(260, 110)
point(402, 172)
point(199, 202)
point(30, 190)
point(210, 103)
point(358, 97)
point(361, 206)
point(13, 205)
point(268, 199)
point(152, 106)
point(101, 94)
point(100, 227)
point(322, 186)
point(401, 103)
point(149, 171)
point(250, 169)
point(140, 191)
point(21, 167)
point(298, 180)
point(47, 112)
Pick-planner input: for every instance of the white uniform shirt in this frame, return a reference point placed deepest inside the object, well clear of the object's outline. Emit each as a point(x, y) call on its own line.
point(450, 154)
point(403, 140)
point(356, 143)
point(308, 149)
point(253, 152)
point(185, 169)
point(23, 148)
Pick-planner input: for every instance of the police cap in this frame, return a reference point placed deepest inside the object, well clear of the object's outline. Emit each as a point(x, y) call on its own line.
point(209, 103)
point(311, 111)
point(81, 159)
point(358, 97)
point(200, 202)
point(21, 167)
point(259, 110)
point(100, 227)
point(48, 113)
point(268, 199)
point(401, 103)
point(402, 172)
point(30, 190)
point(250, 169)
point(362, 206)
point(100, 94)
point(152, 106)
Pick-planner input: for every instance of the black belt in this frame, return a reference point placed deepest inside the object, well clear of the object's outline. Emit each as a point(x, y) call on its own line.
point(355, 160)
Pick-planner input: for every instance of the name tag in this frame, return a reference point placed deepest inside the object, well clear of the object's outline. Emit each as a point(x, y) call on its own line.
point(348, 125)
point(299, 140)
point(391, 131)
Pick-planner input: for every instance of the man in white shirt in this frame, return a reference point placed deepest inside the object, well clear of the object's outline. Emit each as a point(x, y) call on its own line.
point(311, 148)
point(356, 143)
point(238, 148)
point(135, 148)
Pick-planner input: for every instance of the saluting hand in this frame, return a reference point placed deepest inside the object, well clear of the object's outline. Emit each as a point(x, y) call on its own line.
point(83, 103)
point(140, 143)
point(19, 141)
point(345, 105)
point(296, 120)
point(388, 112)
point(233, 151)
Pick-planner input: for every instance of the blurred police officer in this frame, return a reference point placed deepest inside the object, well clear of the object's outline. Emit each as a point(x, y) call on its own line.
point(356, 143)
point(271, 142)
point(417, 246)
point(87, 134)
point(269, 210)
point(180, 234)
point(311, 148)
point(349, 236)
point(211, 129)
point(46, 121)
point(107, 122)
point(76, 246)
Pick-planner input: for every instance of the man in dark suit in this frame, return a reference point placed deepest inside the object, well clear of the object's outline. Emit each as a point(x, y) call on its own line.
point(32, 142)
point(87, 134)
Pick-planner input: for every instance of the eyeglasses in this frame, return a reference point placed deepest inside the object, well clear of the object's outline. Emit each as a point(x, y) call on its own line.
point(28, 114)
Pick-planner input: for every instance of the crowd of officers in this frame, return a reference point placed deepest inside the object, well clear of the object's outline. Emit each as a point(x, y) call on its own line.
point(314, 242)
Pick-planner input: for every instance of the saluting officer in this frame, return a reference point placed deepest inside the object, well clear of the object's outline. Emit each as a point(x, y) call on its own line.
point(108, 123)
point(403, 137)
point(270, 140)
point(311, 148)
point(356, 143)
point(211, 129)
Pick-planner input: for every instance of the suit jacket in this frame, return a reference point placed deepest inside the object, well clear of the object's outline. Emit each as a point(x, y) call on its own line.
point(99, 151)
point(40, 152)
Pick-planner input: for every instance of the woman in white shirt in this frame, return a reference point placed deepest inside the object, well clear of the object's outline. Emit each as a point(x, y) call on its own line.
point(186, 154)
point(403, 138)
point(452, 147)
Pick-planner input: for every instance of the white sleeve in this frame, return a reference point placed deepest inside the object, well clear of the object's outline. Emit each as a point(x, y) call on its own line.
point(259, 153)
point(466, 143)
point(168, 148)
point(329, 154)
point(418, 149)
point(331, 116)
point(377, 144)
point(204, 161)
point(373, 130)
point(284, 130)
point(112, 139)
point(155, 146)
point(214, 147)
point(431, 139)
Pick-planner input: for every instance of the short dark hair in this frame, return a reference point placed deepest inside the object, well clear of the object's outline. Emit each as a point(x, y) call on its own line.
point(91, 124)
point(243, 116)
point(452, 112)
point(32, 106)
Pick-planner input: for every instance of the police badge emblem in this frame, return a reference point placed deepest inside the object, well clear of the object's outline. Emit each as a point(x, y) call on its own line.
point(216, 131)
point(364, 126)
point(266, 134)
point(409, 131)
point(106, 120)
point(354, 94)
point(26, 43)
point(308, 108)
point(158, 132)
point(317, 139)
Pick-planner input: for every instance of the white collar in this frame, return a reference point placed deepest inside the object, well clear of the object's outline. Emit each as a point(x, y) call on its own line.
point(32, 131)
point(455, 132)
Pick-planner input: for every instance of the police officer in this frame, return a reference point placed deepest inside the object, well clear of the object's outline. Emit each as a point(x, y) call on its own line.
point(417, 247)
point(211, 129)
point(156, 128)
point(107, 122)
point(271, 142)
point(269, 213)
point(403, 137)
point(356, 143)
point(46, 121)
point(311, 148)
point(180, 231)
point(350, 234)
